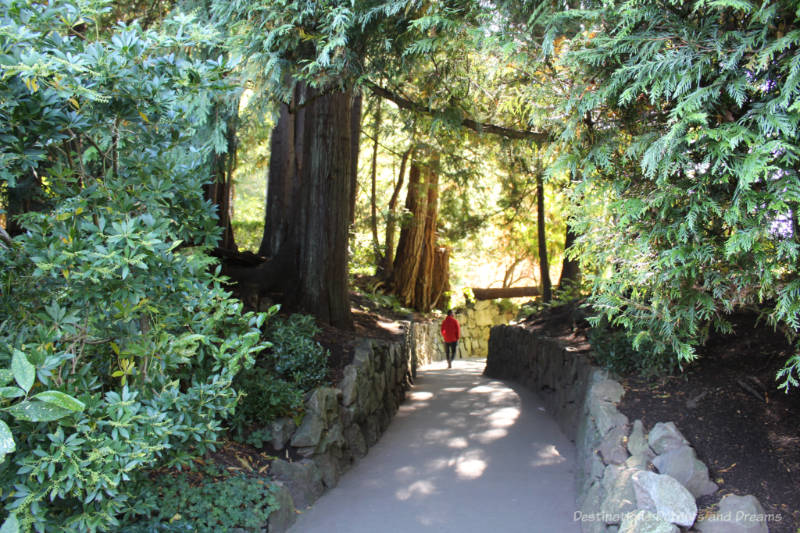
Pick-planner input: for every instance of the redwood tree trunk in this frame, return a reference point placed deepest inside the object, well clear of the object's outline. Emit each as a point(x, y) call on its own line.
point(415, 264)
point(406, 261)
point(544, 264)
point(570, 269)
point(373, 202)
point(309, 204)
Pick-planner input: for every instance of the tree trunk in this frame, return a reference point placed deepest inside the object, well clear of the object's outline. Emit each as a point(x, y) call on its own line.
point(424, 291)
point(544, 264)
point(415, 266)
point(220, 190)
point(309, 204)
point(376, 245)
point(440, 288)
point(355, 143)
point(386, 268)
point(570, 269)
point(283, 183)
point(508, 292)
point(409, 245)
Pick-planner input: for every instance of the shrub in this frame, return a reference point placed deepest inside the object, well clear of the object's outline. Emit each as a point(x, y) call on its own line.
point(295, 355)
point(613, 349)
point(118, 344)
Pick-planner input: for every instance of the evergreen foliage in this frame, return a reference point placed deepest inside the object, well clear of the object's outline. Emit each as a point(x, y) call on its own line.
point(118, 342)
point(684, 130)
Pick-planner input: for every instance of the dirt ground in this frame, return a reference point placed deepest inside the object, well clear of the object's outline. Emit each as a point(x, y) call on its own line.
point(727, 404)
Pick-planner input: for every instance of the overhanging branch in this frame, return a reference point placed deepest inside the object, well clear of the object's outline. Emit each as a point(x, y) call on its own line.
point(538, 137)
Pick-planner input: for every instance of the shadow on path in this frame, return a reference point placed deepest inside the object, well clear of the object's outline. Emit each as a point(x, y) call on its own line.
point(464, 453)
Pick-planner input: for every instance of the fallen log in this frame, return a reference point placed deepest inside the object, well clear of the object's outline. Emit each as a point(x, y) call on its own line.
point(507, 292)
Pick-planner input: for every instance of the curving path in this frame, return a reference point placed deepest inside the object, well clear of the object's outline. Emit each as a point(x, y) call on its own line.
point(464, 454)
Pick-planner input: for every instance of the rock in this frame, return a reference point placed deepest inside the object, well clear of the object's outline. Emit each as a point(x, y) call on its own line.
point(637, 462)
point(355, 440)
point(637, 441)
point(664, 496)
point(736, 514)
point(606, 417)
point(589, 508)
point(310, 431)
point(328, 469)
point(281, 431)
point(643, 521)
point(612, 447)
point(665, 437)
point(682, 464)
point(332, 438)
point(620, 497)
point(607, 390)
point(302, 478)
point(282, 518)
point(348, 385)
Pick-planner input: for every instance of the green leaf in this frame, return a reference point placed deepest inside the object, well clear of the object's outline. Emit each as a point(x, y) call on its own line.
point(11, 525)
point(24, 372)
point(59, 399)
point(11, 392)
point(6, 440)
point(35, 411)
point(6, 376)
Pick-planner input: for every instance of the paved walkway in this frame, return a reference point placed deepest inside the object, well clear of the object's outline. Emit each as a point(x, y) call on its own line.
point(464, 454)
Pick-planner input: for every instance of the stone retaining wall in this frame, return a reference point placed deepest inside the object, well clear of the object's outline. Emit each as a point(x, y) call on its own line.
point(628, 480)
point(339, 426)
point(476, 323)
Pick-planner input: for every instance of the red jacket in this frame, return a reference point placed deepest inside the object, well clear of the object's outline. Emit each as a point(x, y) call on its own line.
point(451, 330)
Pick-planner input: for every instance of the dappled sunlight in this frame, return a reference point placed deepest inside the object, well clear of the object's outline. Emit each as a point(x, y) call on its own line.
point(486, 437)
point(417, 489)
point(471, 464)
point(504, 417)
point(457, 442)
point(420, 395)
point(547, 456)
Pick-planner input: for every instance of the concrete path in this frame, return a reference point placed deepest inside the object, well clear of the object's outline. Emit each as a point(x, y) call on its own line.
point(464, 454)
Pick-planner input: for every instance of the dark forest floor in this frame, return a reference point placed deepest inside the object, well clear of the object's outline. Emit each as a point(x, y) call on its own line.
point(727, 404)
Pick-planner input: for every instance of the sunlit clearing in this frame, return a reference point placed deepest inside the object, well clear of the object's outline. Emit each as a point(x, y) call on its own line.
point(548, 456)
point(471, 465)
point(418, 488)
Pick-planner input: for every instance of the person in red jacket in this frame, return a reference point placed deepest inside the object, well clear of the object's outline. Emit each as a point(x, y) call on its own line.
point(451, 332)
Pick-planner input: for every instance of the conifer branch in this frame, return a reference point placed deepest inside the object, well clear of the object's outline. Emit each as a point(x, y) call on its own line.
point(538, 137)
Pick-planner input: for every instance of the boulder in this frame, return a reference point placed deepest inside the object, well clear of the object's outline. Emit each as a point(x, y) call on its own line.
point(302, 478)
point(284, 515)
point(606, 390)
point(736, 514)
point(310, 431)
point(637, 441)
point(665, 437)
point(280, 431)
point(612, 447)
point(619, 497)
point(664, 496)
point(589, 508)
point(643, 521)
point(355, 440)
point(348, 385)
point(606, 417)
point(682, 464)
point(637, 462)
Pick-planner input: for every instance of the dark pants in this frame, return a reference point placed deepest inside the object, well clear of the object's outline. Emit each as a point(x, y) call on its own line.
point(450, 350)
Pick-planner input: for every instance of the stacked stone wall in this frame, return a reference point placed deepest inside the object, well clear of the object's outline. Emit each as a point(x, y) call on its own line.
point(339, 426)
point(629, 480)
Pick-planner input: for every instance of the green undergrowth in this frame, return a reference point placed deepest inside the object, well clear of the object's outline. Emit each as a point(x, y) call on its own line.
point(275, 386)
point(205, 500)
